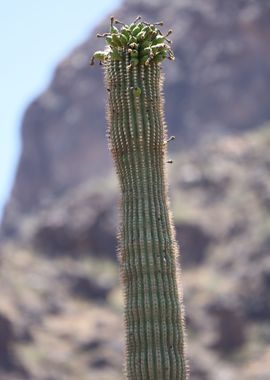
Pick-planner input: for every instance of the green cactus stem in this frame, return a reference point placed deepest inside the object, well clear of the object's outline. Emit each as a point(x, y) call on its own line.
point(154, 320)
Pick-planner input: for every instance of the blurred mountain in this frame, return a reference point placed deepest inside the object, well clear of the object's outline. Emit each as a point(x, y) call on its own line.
point(61, 287)
point(61, 303)
point(218, 84)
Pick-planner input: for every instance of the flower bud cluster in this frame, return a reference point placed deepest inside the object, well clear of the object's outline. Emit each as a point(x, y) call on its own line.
point(144, 42)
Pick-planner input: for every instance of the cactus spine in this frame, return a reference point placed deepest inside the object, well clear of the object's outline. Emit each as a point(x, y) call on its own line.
point(147, 248)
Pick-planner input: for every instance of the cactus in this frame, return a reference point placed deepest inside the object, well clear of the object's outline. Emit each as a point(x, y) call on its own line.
point(154, 318)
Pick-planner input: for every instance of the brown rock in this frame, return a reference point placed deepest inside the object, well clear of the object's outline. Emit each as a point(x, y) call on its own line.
point(8, 359)
point(254, 293)
point(230, 326)
point(89, 289)
point(194, 243)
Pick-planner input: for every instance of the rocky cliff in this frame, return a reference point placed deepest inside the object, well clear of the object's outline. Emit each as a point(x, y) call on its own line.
point(61, 304)
point(218, 84)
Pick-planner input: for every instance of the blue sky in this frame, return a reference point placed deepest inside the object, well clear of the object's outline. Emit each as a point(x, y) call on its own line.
point(36, 35)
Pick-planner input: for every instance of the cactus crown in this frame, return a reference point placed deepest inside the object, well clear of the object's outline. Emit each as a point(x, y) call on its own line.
point(144, 42)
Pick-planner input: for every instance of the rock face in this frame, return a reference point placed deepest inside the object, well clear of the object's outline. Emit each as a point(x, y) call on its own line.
point(194, 241)
point(84, 220)
point(63, 286)
point(6, 343)
point(8, 359)
point(61, 305)
point(219, 83)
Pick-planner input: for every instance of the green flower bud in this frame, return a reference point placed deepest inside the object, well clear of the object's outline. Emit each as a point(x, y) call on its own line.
point(146, 51)
point(117, 40)
point(133, 26)
point(160, 56)
point(132, 39)
point(158, 47)
point(116, 56)
point(136, 30)
point(100, 55)
point(123, 39)
point(126, 32)
point(134, 61)
point(148, 33)
point(158, 40)
point(145, 43)
point(134, 53)
point(137, 91)
point(140, 36)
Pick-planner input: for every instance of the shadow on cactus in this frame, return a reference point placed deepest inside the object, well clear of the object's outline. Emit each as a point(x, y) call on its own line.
point(154, 320)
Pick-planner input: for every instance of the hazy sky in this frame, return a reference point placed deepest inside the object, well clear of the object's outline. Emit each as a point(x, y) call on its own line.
point(35, 35)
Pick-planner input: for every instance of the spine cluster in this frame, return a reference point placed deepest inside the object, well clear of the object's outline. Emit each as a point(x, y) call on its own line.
point(147, 248)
